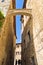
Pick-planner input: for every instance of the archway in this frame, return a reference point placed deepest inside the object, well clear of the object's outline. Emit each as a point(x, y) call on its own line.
point(19, 62)
point(14, 12)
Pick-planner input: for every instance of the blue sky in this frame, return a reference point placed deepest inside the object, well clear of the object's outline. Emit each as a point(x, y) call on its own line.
point(19, 4)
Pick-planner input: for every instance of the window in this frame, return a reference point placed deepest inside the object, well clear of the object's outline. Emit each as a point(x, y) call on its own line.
point(29, 34)
point(17, 53)
point(19, 62)
point(33, 61)
point(2, 1)
point(24, 40)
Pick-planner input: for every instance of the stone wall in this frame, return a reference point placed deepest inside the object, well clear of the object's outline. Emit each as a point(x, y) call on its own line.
point(7, 41)
point(27, 44)
point(37, 11)
point(37, 32)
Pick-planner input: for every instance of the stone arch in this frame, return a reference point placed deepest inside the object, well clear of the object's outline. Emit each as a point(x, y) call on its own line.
point(14, 12)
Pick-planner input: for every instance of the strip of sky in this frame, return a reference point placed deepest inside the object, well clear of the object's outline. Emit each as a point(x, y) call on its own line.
point(19, 4)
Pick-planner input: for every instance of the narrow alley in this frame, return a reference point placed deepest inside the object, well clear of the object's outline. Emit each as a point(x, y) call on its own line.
point(21, 32)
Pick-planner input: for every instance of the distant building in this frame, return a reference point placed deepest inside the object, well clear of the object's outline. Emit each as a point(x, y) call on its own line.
point(18, 54)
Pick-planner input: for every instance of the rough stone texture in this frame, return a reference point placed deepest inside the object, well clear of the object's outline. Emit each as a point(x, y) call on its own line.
point(36, 33)
point(7, 41)
point(27, 45)
point(37, 11)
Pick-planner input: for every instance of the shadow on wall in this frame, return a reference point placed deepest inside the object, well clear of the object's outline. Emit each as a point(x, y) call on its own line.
point(9, 51)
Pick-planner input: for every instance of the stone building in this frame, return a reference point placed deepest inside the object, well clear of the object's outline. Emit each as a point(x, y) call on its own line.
point(8, 38)
point(32, 33)
point(4, 5)
point(18, 54)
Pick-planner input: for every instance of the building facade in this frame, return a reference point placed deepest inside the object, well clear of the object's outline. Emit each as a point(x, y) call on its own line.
point(8, 38)
point(4, 6)
point(18, 54)
point(32, 34)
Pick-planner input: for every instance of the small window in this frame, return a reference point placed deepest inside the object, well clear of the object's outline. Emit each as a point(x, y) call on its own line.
point(29, 34)
point(19, 62)
point(24, 40)
point(2, 1)
point(17, 53)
